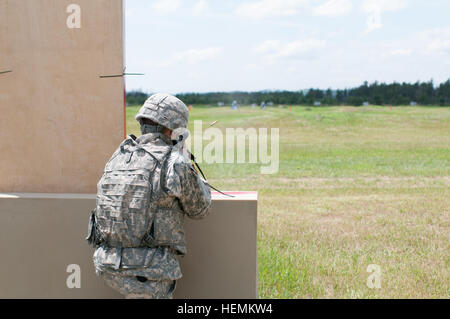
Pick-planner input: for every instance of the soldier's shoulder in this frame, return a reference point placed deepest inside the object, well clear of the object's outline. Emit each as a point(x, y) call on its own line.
point(181, 166)
point(177, 158)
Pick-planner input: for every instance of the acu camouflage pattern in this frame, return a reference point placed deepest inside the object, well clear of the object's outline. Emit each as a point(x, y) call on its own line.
point(132, 288)
point(152, 263)
point(122, 217)
point(166, 110)
point(140, 236)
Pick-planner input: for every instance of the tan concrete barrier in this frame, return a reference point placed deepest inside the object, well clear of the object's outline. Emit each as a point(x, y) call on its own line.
point(60, 122)
point(42, 234)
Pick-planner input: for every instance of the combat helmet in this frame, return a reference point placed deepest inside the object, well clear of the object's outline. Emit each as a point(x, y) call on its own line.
point(166, 110)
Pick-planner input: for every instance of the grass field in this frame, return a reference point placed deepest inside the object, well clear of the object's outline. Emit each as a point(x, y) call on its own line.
point(356, 186)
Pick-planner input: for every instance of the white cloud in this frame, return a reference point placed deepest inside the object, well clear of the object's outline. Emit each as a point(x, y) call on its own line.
point(193, 56)
point(305, 48)
point(267, 46)
point(300, 47)
point(432, 42)
point(200, 7)
point(398, 52)
point(437, 41)
point(333, 8)
point(270, 8)
point(374, 8)
point(369, 6)
point(166, 6)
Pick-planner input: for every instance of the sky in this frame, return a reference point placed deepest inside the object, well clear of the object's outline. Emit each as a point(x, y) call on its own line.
point(252, 45)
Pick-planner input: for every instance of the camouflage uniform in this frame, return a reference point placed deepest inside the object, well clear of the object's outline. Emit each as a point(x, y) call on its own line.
point(150, 269)
point(132, 288)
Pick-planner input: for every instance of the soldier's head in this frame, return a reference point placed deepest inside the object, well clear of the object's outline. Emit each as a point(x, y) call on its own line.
point(163, 113)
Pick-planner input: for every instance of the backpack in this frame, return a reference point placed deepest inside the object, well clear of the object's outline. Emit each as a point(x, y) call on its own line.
point(122, 217)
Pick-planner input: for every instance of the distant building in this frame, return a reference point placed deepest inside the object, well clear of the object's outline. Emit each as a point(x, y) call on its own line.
point(269, 103)
point(317, 103)
point(413, 103)
point(365, 103)
point(220, 104)
point(253, 105)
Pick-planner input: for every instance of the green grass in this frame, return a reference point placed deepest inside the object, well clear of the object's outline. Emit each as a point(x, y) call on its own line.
point(356, 186)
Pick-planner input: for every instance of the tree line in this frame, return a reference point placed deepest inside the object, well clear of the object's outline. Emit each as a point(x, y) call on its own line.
point(422, 93)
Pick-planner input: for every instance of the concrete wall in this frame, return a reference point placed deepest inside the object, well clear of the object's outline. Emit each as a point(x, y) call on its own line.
point(59, 122)
point(41, 234)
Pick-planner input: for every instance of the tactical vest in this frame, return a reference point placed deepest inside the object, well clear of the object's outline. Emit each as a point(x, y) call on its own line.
point(122, 217)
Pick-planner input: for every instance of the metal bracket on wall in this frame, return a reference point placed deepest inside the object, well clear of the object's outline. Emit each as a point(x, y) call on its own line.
point(3, 72)
point(119, 75)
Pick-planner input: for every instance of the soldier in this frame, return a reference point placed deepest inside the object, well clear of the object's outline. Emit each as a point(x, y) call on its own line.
point(147, 187)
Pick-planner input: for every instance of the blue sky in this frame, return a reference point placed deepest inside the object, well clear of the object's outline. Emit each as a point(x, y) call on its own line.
point(252, 45)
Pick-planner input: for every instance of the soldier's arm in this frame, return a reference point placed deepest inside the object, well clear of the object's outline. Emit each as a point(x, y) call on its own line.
point(183, 182)
point(195, 195)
